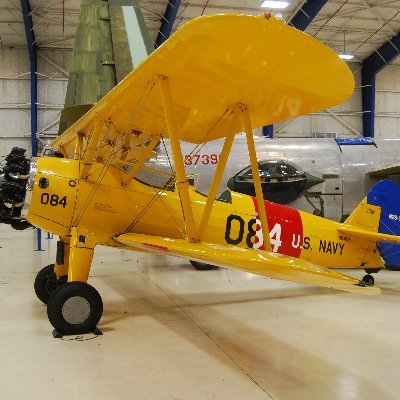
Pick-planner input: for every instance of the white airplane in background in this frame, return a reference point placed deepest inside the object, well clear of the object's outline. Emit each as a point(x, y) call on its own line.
point(327, 177)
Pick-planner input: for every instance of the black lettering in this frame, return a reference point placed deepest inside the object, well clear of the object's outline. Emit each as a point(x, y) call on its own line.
point(341, 245)
point(44, 198)
point(252, 233)
point(306, 244)
point(54, 200)
point(329, 247)
point(322, 246)
point(228, 229)
point(63, 201)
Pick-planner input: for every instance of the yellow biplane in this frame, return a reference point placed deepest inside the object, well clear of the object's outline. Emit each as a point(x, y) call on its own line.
point(217, 76)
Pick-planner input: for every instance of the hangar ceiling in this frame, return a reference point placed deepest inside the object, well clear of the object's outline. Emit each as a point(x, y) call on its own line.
point(356, 26)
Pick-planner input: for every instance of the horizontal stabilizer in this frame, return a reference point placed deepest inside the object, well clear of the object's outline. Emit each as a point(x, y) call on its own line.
point(258, 262)
point(368, 235)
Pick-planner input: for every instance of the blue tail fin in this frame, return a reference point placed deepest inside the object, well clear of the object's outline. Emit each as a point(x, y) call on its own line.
point(386, 194)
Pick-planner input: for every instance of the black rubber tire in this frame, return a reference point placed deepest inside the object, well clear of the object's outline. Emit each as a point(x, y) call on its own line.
point(58, 310)
point(46, 283)
point(202, 266)
point(369, 279)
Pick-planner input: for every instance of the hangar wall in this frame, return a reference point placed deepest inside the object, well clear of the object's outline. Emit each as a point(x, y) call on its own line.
point(52, 84)
point(53, 70)
point(348, 116)
point(15, 99)
point(387, 120)
point(15, 95)
point(344, 120)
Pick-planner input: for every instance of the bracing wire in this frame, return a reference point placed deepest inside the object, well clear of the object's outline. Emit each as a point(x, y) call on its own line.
point(222, 118)
point(225, 116)
point(157, 196)
point(147, 207)
point(139, 104)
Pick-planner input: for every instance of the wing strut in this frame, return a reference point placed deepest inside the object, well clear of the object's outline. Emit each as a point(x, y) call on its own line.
point(235, 126)
point(256, 177)
point(78, 146)
point(182, 182)
point(91, 148)
point(139, 162)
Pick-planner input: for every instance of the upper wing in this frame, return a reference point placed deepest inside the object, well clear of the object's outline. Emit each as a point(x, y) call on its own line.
point(213, 63)
point(255, 261)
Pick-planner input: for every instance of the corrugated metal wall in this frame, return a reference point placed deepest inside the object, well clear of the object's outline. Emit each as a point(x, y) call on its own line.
point(15, 95)
point(387, 120)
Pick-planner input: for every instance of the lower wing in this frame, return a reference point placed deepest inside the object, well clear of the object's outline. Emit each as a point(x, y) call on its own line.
point(258, 262)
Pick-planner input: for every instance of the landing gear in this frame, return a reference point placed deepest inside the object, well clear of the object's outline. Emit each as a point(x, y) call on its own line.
point(46, 282)
point(369, 280)
point(75, 308)
point(202, 266)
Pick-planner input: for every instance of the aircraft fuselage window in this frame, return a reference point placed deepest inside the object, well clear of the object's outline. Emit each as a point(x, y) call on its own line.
point(282, 182)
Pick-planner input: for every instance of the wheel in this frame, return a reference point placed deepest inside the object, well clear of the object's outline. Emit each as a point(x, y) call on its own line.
point(75, 308)
point(46, 282)
point(202, 266)
point(369, 279)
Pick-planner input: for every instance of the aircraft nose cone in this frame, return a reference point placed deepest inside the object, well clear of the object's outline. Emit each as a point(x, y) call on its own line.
point(312, 180)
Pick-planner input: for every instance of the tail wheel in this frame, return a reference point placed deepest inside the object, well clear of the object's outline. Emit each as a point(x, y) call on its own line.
point(369, 279)
point(46, 282)
point(75, 308)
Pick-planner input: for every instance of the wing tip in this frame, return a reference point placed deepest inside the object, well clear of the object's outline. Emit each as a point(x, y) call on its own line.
point(359, 287)
point(365, 288)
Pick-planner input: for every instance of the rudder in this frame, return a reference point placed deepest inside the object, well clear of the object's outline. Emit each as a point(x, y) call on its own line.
point(386, 194)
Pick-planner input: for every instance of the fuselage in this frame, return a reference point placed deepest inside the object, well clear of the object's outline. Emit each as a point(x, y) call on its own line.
point(102, 208)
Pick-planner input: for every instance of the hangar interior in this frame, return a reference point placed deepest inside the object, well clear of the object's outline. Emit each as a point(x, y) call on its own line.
point(169, 331)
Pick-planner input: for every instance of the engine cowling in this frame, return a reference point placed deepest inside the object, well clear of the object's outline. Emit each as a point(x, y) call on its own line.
point(13, 181)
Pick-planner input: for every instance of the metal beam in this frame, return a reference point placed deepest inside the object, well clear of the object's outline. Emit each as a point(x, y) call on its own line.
point(384, 55)
point(268, 131)
point(370, 67)
point(58, 67)
point(168, 21)
point(30, 39)
point(306, 14)
point(343, 122)
point(368, 101)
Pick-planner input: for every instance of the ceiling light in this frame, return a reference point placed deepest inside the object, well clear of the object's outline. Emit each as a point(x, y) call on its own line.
point(274, 4)
point(346, 56)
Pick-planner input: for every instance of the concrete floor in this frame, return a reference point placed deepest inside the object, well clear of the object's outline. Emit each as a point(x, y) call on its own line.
point(171, 333)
